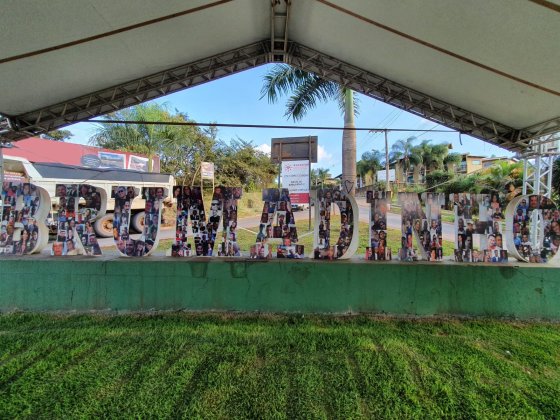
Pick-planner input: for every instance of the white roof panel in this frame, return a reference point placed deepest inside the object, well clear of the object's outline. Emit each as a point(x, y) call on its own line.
point(498, 59)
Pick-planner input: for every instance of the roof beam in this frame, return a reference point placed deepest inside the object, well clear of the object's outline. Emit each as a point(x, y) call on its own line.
point(410, 100)
point(143, 89)
point(192, 74)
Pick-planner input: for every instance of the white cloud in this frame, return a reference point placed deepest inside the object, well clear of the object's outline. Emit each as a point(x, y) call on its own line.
point(323, 157)
point(265, 148)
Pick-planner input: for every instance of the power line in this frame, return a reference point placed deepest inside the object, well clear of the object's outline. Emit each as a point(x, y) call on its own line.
point(298, 127)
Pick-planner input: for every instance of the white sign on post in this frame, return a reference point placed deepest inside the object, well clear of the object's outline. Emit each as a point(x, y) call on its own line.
point(207, 170)
point(295, 177)
point(382, 175)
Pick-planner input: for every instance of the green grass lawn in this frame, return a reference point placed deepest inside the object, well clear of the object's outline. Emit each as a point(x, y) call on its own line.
point(235, 366)
point(246, 238)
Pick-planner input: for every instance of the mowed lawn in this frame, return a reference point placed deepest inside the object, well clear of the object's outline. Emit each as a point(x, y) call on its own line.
point(250, 366)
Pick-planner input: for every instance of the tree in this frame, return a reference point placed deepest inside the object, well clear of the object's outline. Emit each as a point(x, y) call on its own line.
point(370, 163)
point(320, 176)
point(405, 151)
point(452, 160)
point(432, 156)
point(58, 135)
point(238, 163)
point(501, 176)
point(305, 90)
point(148, 139)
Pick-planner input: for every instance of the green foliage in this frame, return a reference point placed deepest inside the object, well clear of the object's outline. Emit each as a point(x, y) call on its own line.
point(177, 365)
point(404, 149)
point(239, 163)
point(305, 89)
point(319, 176)
point(182, 148)
point(147, 139)
point(462, 183)
point(370, 163)
point(435, 178)
point(501, 175)
point(58, 135)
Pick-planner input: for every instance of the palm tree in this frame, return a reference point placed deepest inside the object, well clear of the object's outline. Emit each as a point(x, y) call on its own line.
point(370, 163)
point(305, 90)
point(432, 155)
point(405, 151)
point(501, 175)
point(452, 160)
point(319, 176)
point(147, 139)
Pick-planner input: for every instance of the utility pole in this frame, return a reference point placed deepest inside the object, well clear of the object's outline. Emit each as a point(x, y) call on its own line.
point(387, 183)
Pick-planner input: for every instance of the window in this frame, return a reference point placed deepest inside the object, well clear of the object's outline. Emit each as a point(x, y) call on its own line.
point(476, 162)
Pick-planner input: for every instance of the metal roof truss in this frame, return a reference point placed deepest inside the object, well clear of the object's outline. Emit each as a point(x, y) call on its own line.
point(173, 80)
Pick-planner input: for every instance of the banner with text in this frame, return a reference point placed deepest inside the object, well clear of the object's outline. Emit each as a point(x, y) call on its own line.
point(295, 177)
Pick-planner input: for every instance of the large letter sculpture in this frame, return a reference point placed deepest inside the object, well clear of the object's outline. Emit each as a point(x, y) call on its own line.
point(379, 203)
point(190, 205)
point(533, 229)
point(347, 243)
point(478, 221)
point(25, 207)
point(75, 234)
point(224, 205)
point(424, 228)
point(148, 241)
point(278, 226)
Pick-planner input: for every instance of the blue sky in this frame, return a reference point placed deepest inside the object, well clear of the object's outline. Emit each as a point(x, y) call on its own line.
point(236, 100)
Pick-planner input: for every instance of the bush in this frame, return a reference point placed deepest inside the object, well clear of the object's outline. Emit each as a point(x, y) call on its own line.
point(437, 177)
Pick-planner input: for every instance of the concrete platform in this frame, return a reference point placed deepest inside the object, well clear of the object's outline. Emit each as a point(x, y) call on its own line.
point(41, 283)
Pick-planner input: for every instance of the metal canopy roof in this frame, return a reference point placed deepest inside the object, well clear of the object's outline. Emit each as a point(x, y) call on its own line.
point(488, 69)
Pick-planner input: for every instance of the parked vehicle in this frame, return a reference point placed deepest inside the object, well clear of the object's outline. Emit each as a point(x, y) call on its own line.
point(47, 175)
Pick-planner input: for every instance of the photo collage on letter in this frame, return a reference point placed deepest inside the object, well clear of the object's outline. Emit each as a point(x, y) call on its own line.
point(277, 227)
point(85, 218)
point(326, 198)
point(478, 215)
point(412, 216)
point(19, 232)
point(378, 249)
point(66, 242)
point(121, 218)
point(429, 230)
point(524, 217)
point(224, 206)
point(124, 196)
point(190, 206)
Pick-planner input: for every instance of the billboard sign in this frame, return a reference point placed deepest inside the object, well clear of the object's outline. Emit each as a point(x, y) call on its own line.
point(295, 177)
point(294, 148)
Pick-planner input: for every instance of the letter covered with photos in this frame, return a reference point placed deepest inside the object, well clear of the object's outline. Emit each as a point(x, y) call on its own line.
point(278, 226)
point(224, 206)
point(190, 206)
point(478, 229)
point(379, 202)
point(421, 230)
point(533, 233)
point(75, 233)
point(148, 241)
point(23, 212)
point(347, 242)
